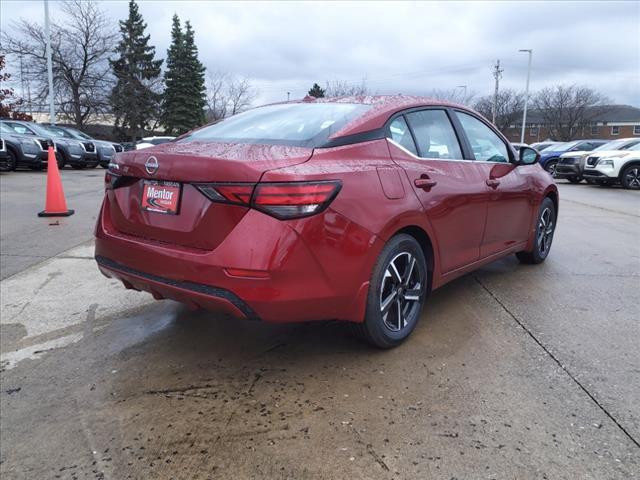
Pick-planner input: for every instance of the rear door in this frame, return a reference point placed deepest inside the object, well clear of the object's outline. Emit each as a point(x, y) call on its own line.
point(450, 188)
point(510, 193)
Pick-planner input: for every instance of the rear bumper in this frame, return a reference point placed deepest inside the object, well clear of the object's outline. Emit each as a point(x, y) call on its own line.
point(193, 294)
point(304, 270)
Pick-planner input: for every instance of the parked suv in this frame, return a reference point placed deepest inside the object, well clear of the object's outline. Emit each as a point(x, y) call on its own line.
point(4, 157)
point(79, 153)
point(549, 156)
point(571, 164)
point(615, 167)
point(105, 150)
point(24, 146)
point(349, 208)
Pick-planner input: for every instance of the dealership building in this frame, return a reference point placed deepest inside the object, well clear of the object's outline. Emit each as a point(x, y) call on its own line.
point(609, 122)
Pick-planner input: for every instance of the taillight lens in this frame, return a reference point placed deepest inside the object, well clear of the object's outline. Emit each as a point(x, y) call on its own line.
point(283, 200)
point(294, 199)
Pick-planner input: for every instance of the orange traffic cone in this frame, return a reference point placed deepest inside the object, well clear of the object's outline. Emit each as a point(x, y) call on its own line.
point(56, 205)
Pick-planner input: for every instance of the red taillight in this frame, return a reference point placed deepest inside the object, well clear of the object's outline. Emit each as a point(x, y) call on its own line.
point(294, 199)
point(284, 200)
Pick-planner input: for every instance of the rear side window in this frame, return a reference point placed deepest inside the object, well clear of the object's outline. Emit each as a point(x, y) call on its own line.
point(401, 134)
point(293, 124)
point(434, 134)
point(486, 145)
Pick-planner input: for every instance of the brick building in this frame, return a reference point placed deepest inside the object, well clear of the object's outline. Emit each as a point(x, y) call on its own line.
point(616, 121)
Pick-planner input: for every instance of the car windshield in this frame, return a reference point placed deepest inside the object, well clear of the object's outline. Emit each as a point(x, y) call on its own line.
point(294, 124)
point(544, 146)
point(635, 148)
point(617, 145)
point(564, 147)
point(77, 133)
point(44, 131)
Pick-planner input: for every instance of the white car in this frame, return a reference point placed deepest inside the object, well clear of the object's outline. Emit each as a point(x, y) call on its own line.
point(147, 142)
point(622, 166)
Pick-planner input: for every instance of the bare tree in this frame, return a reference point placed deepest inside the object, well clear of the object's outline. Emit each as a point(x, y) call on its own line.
point(454, 95)
point(80, 50)
point(341, 88)
point(509, 108)
point(228, 94)
point(567, 109)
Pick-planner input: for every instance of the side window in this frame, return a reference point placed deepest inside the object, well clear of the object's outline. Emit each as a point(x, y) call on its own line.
point(434, 134)
point(401, 135)
point(21, 129)
point(486, 145)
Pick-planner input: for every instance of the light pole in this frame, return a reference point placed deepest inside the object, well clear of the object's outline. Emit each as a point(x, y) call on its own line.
point(526, 95)
point(464, 90)
point(288, 96)
point(52, 111)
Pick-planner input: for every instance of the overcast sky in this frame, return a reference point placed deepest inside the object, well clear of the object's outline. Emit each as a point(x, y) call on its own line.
point(409, 48)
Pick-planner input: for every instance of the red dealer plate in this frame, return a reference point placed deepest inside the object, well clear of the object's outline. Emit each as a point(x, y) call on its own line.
point(160, 196)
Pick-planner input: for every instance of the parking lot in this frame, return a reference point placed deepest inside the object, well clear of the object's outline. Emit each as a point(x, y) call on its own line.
point(515, 371)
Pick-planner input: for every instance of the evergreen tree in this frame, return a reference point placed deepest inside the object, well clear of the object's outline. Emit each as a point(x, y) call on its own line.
point(195, 79)
point(133, 99)
point(184, 97)
point(316, 91)
point(175, 112)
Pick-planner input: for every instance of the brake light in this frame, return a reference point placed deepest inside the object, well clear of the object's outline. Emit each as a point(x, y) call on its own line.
point(294, 199)
point(283, 200)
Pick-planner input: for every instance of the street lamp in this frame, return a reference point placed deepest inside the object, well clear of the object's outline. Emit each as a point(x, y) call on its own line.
point(526, 95)
point(464, 89)
point(52, 110)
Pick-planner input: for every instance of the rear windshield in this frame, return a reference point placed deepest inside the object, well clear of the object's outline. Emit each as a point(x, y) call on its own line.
point(293, 124)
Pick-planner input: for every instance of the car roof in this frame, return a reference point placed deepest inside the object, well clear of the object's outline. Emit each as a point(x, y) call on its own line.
point(382, 107)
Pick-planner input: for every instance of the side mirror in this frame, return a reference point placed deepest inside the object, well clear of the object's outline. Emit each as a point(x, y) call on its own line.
point(528, 156)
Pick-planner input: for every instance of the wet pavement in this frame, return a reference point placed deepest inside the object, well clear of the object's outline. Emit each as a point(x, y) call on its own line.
point(513, 372)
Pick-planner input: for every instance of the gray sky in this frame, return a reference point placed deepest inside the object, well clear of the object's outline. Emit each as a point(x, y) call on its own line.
point(410, 48)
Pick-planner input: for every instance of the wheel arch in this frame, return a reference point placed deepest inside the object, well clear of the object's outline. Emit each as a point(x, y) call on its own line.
point(625, 165)
point(423, 239)
point(553, 195)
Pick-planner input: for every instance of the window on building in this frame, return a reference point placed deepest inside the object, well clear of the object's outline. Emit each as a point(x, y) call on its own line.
point(615, 130)
point(594, 130)
point(533, 132)
point(636, 129)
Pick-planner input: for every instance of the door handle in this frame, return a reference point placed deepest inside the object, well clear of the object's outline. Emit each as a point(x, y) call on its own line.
point(493, 183)
point(425, 183)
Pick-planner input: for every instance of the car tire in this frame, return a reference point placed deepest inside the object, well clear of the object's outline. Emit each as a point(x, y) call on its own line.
point(78, 166)
point(397, 293)
point(61, 161)
point(591, 181)
point(575, 179)
point(550, 167)
point(104, 165)
point(92, 164)
point(630, 177)
point(545, 228)
point(12, 161)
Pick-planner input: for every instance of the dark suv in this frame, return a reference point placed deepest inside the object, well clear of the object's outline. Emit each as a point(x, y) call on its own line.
point(24, 147)
point(105, 150)
point(79, 153)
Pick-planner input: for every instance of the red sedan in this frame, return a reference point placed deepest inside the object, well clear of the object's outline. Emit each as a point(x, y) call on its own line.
point(349, 208)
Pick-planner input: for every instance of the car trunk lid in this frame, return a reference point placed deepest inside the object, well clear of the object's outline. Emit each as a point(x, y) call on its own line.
point(199, 222)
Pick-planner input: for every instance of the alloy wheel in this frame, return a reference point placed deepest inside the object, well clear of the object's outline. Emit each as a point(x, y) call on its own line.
point(545, 232)
point(401, 292)
point(632, 177)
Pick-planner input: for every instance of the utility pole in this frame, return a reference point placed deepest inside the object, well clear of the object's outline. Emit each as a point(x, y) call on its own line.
point(497, 74)
point(526, 96)
point(52, 110)
point(22, 78)
point(288, 96)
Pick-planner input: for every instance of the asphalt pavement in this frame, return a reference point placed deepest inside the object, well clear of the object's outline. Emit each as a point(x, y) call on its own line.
point(514, 371)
